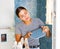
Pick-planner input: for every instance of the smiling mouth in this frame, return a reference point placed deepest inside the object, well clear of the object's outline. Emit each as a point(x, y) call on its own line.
point(27, 18)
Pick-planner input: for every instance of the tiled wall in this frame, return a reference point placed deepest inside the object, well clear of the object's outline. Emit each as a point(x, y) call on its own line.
point(41, 9)
point(46, 43)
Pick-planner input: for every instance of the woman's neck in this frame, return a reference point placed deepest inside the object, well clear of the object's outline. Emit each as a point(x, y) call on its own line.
point(28, 22)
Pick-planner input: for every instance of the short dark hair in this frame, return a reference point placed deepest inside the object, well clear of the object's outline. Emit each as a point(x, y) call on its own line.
point(19, 10)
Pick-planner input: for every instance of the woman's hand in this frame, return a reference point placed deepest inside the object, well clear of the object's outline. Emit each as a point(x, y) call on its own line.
point(28, 35)
point(46, 30)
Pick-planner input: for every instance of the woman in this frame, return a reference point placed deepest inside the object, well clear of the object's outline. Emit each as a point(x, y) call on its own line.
point(28, 24)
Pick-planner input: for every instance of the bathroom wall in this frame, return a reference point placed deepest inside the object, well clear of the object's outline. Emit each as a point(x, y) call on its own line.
point(6, 13)
point(6, 23)
point(46, 43)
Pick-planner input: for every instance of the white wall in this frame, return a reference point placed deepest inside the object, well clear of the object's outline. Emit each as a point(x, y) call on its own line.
point(8, 44)
point(7, 20)
point(6, 13)
point(49, 11)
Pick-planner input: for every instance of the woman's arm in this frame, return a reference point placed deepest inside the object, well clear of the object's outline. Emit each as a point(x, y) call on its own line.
point(18, 37)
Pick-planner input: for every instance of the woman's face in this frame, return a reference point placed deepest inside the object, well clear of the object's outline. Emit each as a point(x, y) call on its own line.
point(24, 15)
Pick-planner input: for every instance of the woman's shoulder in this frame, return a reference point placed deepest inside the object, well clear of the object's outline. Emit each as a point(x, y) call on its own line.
point(18, 24)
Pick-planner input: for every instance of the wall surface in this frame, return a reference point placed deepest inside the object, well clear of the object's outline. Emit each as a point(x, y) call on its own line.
point(46, 43)
point(8, 44)
point(6, 22)
point(6, 13)
point(41, 10)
